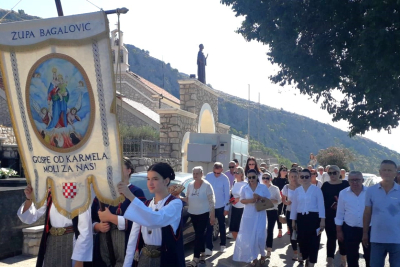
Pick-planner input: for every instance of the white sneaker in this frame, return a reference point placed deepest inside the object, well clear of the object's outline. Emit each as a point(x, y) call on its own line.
point(223, 249)
point(229, 236)
point(208, 252)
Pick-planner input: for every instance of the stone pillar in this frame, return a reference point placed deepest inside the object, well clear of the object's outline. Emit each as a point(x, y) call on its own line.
point(193, 94)
point(32, 237)
point(174, 123)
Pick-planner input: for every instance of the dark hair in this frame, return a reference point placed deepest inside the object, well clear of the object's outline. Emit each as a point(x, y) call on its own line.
point(253, 171)
point(388, 161)
point(279, 172)
point(294, 164)
point(235, 160)
point(163, 169)
point(129, 165)
point(256, 168)
point(306, 170)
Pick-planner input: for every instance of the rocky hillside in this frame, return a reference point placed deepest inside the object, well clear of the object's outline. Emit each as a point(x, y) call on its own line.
point(291, 135)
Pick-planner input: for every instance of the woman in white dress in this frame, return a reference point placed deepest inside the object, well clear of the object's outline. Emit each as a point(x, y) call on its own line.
point(251, 238)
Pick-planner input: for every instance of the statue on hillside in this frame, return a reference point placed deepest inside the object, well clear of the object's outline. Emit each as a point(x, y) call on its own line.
point(201, 65)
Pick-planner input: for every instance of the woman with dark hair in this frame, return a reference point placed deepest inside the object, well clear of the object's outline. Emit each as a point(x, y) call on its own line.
point(156, 236)
point(287, 195)
point(112, 220)
point(331, 190)
point(280, 181)
point(308, 217)
point(251, 164)
point(251, 238)
point(272, 213)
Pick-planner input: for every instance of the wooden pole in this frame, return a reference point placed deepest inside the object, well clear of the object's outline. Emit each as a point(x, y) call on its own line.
point(59, 8)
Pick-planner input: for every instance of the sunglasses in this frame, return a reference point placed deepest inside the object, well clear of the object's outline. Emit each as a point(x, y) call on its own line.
point(304, 176)
point(251, 177)
point(333, 173)
point(218, 173)
point(283, 170)
point(266, 178)
point(355, 180)
point(231, 167)
point(237, 173)
point(313, 173)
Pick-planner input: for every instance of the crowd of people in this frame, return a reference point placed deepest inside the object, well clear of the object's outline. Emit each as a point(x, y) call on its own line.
point(311, 201)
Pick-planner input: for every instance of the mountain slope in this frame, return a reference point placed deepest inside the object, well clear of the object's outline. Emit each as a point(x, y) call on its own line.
point(291, 135)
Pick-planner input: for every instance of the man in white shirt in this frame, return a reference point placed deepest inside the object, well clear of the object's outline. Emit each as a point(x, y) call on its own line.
point(349, 218)
point(220, 183)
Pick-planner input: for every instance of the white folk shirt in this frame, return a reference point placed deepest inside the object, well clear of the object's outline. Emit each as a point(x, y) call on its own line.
point(83, 246)
point(275, 195)
point(350, 208)
point(146, 218)
point(304, 202)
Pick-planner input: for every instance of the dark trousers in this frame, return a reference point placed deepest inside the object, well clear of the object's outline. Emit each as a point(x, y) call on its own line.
point(272, 216)
point(219, 215)
point(200, 223)
point(330, 228)
point(280, 207)
point(307, 237)
point(289, 224)
point(352, 240)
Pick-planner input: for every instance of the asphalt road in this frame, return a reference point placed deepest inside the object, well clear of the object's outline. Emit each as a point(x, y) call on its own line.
point(281, 255)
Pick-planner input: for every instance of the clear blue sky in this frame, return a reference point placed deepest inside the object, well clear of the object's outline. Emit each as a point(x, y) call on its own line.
point(173, 29)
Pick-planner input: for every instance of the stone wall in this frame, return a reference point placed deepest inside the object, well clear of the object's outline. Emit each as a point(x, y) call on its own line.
point(142, 164)
point(7, 136)
point(193, 94)
point(5, 118)
point(11, 236)
point(174, 123)
point(222, 128)
point(139, 92)
point(32, 238)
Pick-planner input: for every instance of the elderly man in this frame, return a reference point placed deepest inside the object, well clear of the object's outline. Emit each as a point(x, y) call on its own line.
point(231, 173)
point(349, 218)
point(220, 184)
point(382, 212)
point(325, 176)
point(275, 173)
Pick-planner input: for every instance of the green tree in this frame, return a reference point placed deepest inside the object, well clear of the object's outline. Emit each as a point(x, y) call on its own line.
point(335, 156)
point(351, 46)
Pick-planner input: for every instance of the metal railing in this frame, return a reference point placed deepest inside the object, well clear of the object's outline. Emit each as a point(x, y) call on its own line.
point(145, 148)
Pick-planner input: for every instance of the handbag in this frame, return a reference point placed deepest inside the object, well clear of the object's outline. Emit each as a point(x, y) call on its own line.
point(264, 204)
point(282, 217)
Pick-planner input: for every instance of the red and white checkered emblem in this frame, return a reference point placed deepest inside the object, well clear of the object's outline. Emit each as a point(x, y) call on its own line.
point(69, 190)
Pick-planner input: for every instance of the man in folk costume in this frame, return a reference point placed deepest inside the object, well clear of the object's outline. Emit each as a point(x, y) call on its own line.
point(65, 242)
point(112, 219)
point(156, 235)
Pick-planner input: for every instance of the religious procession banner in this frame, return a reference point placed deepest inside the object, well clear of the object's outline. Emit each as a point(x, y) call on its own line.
point(60, 90)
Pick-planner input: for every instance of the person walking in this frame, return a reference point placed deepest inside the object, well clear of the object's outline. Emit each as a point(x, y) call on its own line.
point(348, 220)
point(73, 247)
point(382, 212)
point(272, 213)
point(220, 185)
point(112, 220)
point(156, 238)
point(252, 164)
point(251, 238)
point(330, 191)
point(201, 207)
point(231, 173)
point(314, 179)
point(280, 181)
point(287, 196)
point(308, 217)
point(237, 206)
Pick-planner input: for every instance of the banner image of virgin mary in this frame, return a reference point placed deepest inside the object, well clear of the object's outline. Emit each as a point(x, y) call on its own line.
point(60, 101)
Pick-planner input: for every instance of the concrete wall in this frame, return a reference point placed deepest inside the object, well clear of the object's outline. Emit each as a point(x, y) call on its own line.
point(11, 236)
point(142, 164)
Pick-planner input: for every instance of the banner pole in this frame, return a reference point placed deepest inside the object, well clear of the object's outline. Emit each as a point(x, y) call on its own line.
point(59, 8)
